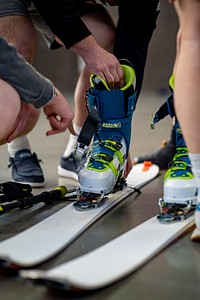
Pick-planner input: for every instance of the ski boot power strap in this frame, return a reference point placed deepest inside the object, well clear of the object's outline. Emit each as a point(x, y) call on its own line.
point(166, 109)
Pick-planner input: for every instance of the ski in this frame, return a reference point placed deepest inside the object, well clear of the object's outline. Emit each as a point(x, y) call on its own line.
point(112, 261)
point(47, 238)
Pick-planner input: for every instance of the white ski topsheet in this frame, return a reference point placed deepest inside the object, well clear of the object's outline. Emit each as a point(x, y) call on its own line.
point(48, 237)
point(112, 261)
point(145, 172)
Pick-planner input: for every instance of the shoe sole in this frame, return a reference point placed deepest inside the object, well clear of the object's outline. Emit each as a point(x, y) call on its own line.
point(196, 235)
point(67, 174)
point(32, 184)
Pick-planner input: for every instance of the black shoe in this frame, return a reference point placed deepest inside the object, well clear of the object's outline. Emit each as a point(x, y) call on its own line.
point(69, 166)
point(162, 157)
point(26, 168)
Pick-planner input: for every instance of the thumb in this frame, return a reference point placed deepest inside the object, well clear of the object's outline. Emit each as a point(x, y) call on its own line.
point(71, 128)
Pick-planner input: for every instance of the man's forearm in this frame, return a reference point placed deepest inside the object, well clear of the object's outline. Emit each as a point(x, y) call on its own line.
point(64, 19)
point(31, 86)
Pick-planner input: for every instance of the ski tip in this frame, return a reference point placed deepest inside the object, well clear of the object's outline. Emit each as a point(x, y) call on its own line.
point(195, 237)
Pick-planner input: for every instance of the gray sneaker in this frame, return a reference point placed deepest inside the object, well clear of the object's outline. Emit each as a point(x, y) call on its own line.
point(26, 168)
point(69, 166)
point(161, 157)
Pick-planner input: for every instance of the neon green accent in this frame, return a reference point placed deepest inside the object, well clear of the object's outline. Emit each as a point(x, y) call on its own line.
point(107, 165)
point(117, 152)
point(172, 81)
point(129, 75)
point(63, 190)
point(102, 80)
point(178, 165)
point(180, 152)
point(1, 209)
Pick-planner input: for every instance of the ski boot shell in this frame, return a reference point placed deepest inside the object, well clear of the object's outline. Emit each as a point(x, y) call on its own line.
point(179, 182)
point(107, 156)
point(180, 188)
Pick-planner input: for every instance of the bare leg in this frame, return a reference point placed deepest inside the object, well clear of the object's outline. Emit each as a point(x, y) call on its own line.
point(20, 31)
point(103, 28)
point(187, 76)
point(9, 98)
point(187, 87)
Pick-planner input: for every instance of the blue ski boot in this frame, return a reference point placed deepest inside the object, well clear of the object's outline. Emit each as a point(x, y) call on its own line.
point(179, 182)
point(180, 190)
point(106, 160)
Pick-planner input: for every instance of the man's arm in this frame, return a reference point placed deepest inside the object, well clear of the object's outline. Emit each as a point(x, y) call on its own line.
point(31, 86)
point(64, 19)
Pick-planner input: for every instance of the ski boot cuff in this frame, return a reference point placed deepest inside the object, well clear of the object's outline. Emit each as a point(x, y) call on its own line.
point(115, 107)
point(171, 82)
point(129, 75)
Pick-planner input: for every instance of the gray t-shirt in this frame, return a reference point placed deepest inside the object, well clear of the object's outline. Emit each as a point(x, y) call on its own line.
point(31, 86)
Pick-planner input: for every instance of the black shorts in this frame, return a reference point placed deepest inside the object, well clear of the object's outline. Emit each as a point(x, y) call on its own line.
point(26, 8)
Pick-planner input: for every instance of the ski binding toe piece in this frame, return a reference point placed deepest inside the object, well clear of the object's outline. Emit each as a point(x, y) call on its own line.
point(174, 212)
point(88, 200)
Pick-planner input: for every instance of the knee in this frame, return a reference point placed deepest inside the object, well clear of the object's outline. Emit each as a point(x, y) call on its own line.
point(32, 120)
point(26, 46)
point(24, 37)
point(10, 104)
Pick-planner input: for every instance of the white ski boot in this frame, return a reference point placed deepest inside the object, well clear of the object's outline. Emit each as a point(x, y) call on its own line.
point(179, 182)
point(180, 190)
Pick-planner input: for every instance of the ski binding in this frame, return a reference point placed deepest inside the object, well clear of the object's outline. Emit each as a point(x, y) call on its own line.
point(174, 212)
point(89, 200)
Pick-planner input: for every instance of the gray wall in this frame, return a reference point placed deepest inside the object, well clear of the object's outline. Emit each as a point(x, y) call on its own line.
point(61, 65)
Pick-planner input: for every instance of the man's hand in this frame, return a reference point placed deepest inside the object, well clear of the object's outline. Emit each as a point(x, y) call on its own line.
point(100, 62)
point(59, 114)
